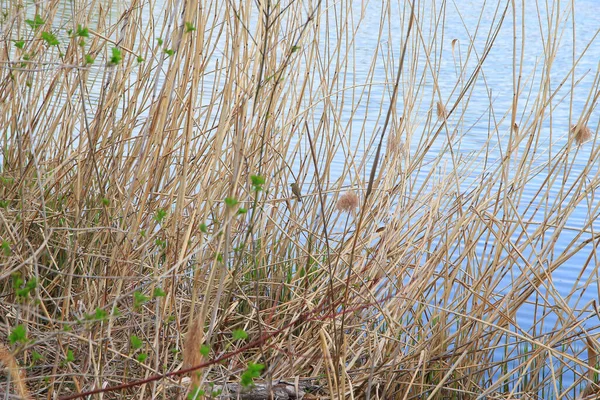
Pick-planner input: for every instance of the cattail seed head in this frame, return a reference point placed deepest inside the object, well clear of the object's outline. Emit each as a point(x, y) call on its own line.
point(442, 113)
point(191, 348)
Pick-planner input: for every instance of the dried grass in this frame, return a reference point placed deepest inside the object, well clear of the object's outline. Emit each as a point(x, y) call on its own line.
point(150, 200)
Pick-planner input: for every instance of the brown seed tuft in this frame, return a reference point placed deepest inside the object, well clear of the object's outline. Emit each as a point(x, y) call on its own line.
point(347, 202)
point(394, 139)
point(442, 113)
point(191, 349)
point(581, 133)
point(394, 142)
point(16, 373)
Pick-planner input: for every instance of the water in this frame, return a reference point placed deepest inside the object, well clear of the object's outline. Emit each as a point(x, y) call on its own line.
point(564, 295)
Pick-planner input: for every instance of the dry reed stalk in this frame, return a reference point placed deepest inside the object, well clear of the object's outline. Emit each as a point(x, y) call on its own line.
point(330, 370)
point(15, 372)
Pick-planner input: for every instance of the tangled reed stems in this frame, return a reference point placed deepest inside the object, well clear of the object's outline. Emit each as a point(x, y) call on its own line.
point(148, 227)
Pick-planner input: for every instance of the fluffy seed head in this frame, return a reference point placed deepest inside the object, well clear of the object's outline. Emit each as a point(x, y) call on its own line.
point(581, 133)
point(347, 202)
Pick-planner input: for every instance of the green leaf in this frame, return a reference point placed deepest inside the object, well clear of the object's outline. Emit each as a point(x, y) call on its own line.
point(139, 299)
point(239, 334)
point(189, 27)
point(89, 59)
point(31, 284)
point(19, 44)
point(17, 280)
point(50, 38)
point(100, 314)
point(142, 357)
point(158, 292)
point(160, 41)
point(36, 22)
point(160, 215)
point(35, 356)
point(231, 202)
point(140, 59)
point(252, 372)
point(6, 248)
point(242, 210)
point(116, 56)
point(169, 52)
point(136, 342)
point(82, 31)
point(203, 228)
point(257, 180)
point(18, 334)
point(105, 201)
point(70, 356)
point(195, 394)
point(24, 292)
point(7, 180)
point(205, 350)
point(295, 48)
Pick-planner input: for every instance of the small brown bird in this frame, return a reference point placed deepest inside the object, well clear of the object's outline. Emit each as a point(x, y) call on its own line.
point(296, 191)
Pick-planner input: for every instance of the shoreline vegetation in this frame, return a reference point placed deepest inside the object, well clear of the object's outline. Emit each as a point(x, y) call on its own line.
point(154, 243)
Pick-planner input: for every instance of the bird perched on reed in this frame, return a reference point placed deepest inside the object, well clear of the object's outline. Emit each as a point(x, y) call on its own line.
point(296, 191)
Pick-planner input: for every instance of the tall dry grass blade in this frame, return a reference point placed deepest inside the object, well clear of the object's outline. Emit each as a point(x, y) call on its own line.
point(330, 369)
point(592, 387)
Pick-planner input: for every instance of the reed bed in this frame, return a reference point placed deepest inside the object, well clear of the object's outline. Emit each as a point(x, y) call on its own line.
point(152, 246)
